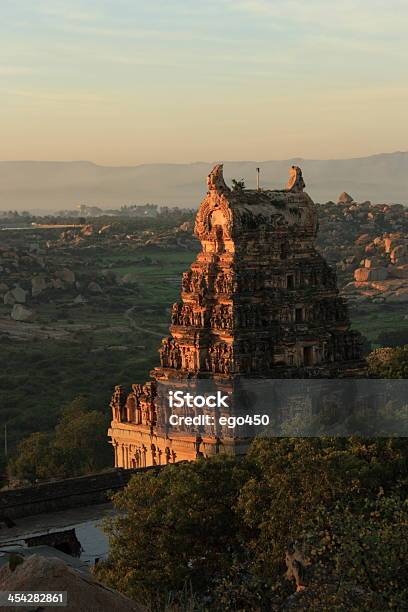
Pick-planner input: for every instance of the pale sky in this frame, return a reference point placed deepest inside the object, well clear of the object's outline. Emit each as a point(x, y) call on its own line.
point(124, 82)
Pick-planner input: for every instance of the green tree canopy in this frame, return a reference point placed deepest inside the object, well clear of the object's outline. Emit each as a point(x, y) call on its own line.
point(222, 526)
point(77, 446)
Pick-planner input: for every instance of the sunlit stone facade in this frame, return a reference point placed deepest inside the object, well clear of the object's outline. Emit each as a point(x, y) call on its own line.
point(259, 301)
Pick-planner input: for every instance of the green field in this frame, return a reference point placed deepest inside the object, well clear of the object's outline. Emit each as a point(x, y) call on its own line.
point(372, 319)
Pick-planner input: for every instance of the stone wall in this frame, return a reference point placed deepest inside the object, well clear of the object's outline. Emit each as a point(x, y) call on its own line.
point(64, 494)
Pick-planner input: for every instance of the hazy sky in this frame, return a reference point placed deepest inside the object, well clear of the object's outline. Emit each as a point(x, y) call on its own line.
point(134, 81)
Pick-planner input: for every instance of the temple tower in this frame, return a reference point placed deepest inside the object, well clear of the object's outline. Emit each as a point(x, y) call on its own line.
point(259, 301)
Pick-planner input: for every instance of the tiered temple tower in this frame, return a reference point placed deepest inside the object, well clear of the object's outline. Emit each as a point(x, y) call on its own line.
point(258, 302)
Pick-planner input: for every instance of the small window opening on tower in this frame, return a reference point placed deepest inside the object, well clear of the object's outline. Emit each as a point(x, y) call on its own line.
point(284, 251)
point(290, 281)
point(298, 315)
point(308, 355)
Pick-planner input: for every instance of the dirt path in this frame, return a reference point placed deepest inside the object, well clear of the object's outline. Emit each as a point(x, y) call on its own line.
point(128, 315)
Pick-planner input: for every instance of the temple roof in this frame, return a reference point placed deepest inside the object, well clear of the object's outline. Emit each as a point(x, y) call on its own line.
point(290, 206)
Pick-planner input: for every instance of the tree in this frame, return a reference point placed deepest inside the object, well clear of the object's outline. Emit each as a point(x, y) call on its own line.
point(174, 529)
point(223, 525)
point(77, 446)
point(389, 362)
point(36, 458)
point(83, 438)
point(238, 185)
point(301, 490)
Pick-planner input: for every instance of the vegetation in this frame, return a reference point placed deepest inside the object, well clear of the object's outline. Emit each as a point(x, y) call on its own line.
point(238, 185)
point(393, 338)
point(112, 338)
point(388, 319)
point(389, 362)
point(77, 446)
point(220, 528)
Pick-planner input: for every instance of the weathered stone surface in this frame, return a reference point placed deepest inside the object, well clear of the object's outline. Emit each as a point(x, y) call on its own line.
point(38, 573)
point(259, 301)
point(3, 288)
point(21, 313)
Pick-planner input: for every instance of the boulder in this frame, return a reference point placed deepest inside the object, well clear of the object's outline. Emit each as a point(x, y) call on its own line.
point(399, 254)
point(345, 198)
point(58, 284)
point(38, 285)
point(3, 288)
point(372, 262)
point(370, 248)
point(15, 296)
point(21, 313)
point(87, 230)
point(187, 226)
point(363, 239)
point(39, 573)
point(391, 241)
point(67, 276)
point(94, 287)
point(19, 294)
point(9, 298)
point(370, 274)
point(80, 300)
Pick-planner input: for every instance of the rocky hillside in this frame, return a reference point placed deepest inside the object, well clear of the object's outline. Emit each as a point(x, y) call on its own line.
point(368, 245)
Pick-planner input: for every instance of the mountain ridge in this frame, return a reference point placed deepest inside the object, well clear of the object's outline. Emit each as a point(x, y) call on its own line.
point(55, 185)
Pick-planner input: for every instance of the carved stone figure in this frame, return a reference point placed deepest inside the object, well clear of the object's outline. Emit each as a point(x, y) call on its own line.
point(296, 182)
point(118, 404)
point(215, 180)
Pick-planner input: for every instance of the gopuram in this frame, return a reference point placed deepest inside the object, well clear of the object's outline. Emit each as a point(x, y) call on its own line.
point(258, 302)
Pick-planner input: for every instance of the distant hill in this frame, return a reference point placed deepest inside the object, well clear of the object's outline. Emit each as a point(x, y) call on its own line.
point(58, 185)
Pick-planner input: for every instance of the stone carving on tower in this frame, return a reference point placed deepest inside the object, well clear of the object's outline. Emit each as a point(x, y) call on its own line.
point(259, 301)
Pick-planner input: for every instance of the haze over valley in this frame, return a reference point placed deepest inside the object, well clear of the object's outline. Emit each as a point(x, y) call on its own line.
point(54, 185)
